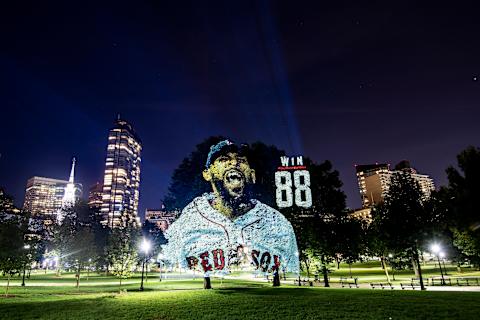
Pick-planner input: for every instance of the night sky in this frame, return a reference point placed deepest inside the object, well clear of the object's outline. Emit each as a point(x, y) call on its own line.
point(352, 83)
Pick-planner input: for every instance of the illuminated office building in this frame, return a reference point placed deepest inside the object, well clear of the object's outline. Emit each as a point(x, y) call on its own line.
point(160, 218)
point(122, 177)
point(45, 197)
point(95, 197)
point(374, 181)
point(7, 204)
point(364, 214)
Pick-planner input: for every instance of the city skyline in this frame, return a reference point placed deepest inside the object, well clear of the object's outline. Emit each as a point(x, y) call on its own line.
point(114, 134)
point(354, 85)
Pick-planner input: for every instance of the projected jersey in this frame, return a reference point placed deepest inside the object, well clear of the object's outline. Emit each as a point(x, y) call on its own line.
point(204, 239)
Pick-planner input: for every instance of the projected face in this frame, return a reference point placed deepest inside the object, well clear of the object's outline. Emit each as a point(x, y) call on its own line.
point(229, 227)
point(230, 174)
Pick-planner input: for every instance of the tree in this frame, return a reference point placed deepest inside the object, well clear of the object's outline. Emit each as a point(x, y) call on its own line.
point(82, 249)
point(378, 244)
point(155, 235)
point(350, 242)
point(401, 224)
point(187, 181)
point(63, 235)
point(74, 238)
point(320, 238)
point(265, 160)
point(122, 250)
point(11, 255)
point(461, 203)
point(13, 227)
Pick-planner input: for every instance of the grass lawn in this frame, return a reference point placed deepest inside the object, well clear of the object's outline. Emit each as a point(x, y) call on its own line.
point(233, 299)
point(49, 297)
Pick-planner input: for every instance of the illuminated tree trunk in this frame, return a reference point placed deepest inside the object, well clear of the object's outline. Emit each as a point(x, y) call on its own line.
point(307, 268)
point(415, 266)
point(206, 283)
point(417, 260)
point(8, 285)
point(325, 273)
point(384, 266)
point(57, 271)
point(276, 279)
point(78, 276)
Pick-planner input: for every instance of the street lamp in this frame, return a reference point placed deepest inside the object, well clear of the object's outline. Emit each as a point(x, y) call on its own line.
point(145, 247)
point(436, 249)
point(26, 247)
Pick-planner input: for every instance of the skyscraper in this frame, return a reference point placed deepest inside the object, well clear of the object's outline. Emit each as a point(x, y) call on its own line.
point(122, 176)
point(45, 197)
point(95, 197)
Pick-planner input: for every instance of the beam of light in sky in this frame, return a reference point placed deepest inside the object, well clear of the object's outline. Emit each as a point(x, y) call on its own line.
point(274, 56)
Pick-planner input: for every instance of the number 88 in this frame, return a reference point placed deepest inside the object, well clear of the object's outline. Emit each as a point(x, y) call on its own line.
point(284, 194)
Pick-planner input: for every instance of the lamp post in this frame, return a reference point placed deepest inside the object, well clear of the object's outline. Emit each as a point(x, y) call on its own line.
point(26, 247)
point(145, 247)
point(436, 249)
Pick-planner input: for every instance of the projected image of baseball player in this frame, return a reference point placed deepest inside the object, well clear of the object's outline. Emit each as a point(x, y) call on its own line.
point(227, 226)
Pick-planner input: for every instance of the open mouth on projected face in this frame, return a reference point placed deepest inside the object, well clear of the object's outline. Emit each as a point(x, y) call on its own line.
point(234, 181)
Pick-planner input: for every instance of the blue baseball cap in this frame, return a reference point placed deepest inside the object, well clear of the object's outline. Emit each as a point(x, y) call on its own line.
point(215, 151)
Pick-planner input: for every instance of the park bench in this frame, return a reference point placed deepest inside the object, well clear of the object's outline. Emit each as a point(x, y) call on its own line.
point(410, 285)
point(381, 285)
point(415, 283)
point(350, 282)
point(303, 282)
point(467, 280)
point(448, 281)
point(319, 280)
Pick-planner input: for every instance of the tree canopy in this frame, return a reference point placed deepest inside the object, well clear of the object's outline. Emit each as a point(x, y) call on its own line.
point(187, 181)
point(13, 228)
point(460, 202)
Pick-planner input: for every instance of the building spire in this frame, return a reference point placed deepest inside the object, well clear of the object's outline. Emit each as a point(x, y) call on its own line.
point(69, 194)
point(72, 171)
